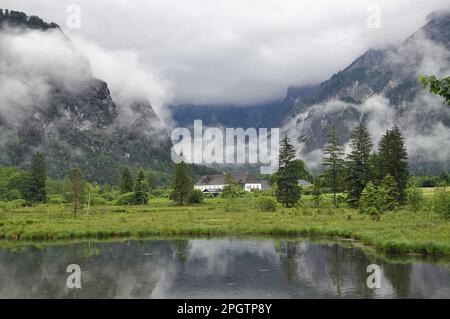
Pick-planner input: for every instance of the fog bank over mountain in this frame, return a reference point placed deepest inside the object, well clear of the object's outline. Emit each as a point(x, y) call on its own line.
point(233, 51)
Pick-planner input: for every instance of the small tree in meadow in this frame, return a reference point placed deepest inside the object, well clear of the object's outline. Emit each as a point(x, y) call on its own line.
point(197, 197)
point(36, 191)
point(392, 193)
point(232, 189)
point(373, 201)
point(415, 197)
point(182, 185)
point(140, 189)
point(288, 191)
point(126, 181)
point(333, 163)
point(441, 202)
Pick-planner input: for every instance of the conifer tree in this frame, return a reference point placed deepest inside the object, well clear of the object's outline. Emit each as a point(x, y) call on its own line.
point(391, 189)
point(140, 190)
point(358, 163)
point(333, 163)
point(288, 190)
point(394, 159)
point(182, 185)
point(36, 191)
point(126, 181)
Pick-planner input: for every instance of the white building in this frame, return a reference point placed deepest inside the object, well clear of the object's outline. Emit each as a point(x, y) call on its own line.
point(215, 183)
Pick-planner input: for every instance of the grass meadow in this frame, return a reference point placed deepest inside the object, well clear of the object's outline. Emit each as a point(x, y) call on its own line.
point(400, 231)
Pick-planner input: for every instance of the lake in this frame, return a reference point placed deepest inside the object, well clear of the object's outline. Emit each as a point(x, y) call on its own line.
point(217, 268)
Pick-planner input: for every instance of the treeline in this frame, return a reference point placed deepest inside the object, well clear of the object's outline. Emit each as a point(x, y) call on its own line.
point(135, 187)
point(18, 18)
point(373, 179)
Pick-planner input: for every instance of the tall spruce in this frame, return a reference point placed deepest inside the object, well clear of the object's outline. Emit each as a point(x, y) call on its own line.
point(77, 184)
point(126, 181)
point(333, 163)
point(358, 163)
point(182, 185)
point(394, 159)
point(36, 191)
point(140, 190)
point(288, 190)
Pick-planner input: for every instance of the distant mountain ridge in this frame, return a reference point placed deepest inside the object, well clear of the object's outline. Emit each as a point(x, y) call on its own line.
point(381, 88)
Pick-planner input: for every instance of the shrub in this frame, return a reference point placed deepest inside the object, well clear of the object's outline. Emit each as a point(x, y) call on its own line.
point(414, 197)
point(126, 199)
point(110, 196)
point(236, 205)
point(196, 197)
point(98, 200)
point(18, 203)
point(441, 201)
point(160, 193)
point(233, 191)
point(56, 199)
point(392, 193)
point(13, 194)
point(373, 201)
point(266, 204)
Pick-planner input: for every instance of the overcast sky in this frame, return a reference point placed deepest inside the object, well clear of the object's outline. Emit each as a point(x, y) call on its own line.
point(232, 51)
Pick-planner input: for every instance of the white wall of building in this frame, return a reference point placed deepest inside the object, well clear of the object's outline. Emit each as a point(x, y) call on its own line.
point(247, 187)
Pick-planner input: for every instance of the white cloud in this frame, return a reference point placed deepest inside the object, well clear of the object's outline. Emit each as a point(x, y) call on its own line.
point(238, 51)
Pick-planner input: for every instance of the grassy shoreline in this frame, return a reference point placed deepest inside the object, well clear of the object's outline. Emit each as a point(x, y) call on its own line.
point(401, 232)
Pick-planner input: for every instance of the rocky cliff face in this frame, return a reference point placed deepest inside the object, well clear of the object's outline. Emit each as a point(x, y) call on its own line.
point(381, 88)
point(59, 108)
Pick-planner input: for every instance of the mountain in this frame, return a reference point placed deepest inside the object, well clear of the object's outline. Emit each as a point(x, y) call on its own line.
point(381, 88)
point(265, 115)
point(51, 102)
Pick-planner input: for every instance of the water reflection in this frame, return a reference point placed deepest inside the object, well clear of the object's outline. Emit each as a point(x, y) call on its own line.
point(219, 268)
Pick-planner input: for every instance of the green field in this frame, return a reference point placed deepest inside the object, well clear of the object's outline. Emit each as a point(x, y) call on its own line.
point(397, 232)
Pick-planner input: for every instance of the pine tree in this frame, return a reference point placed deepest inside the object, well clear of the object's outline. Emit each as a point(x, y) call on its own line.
point(140, 190)
point(390, 187)
point(77, 184)
point(287, 153)
point(182, 185)
point(288, 190)
point(358, 163)
point(394, 159)
point(333, 163)
point(36, 191)
point(126, 181)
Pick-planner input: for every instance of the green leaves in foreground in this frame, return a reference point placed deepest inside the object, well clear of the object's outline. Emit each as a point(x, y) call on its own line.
point(436, 86)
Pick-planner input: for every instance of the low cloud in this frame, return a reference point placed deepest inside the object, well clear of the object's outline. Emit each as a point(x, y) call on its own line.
point(238, 51)
point(33, 63)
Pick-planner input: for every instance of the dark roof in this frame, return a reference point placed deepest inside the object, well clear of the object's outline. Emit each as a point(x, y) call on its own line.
point(220, 179)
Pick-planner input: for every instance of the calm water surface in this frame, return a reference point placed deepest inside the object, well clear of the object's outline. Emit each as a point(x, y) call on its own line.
point(216, 268)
